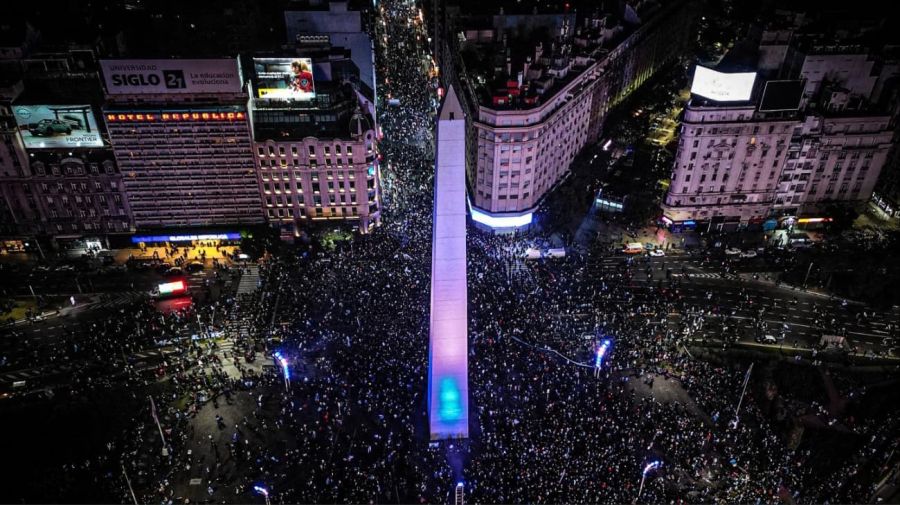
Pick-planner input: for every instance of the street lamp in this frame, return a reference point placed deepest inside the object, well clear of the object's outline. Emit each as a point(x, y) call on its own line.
point(459, 497)
point(601, 353)
point(647, 469)
point(285, 370)
point(263, 491)
point(737, 410)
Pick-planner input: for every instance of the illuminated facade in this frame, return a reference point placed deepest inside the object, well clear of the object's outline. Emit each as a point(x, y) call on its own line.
point(524, 137)
point(185, 165)
point(448, 381)
point(793, 148)
point(181, 134)
point(58, 176)
point(317, 159)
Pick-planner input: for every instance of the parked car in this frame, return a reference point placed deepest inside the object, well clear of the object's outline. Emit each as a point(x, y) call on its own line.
point(657, 253)
point(767, 339)
point(163, 267)
point(174, 271)
point(115, 269)
point(194, 266)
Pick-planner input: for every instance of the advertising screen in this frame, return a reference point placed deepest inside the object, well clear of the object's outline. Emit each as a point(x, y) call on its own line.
point(723, 87)
point(284, 78)
point(49, 126)
point(130, 77)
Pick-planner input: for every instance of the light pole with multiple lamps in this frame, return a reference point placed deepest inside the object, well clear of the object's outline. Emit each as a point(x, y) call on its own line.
point(263, 491)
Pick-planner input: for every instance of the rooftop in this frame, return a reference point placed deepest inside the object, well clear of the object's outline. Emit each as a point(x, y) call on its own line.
point(519, 61)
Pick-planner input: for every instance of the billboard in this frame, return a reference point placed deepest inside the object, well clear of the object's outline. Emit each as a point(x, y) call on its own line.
point(723, 87)
point(284, 78)
point(128, 77)
point(57, 126)
point(185, 238)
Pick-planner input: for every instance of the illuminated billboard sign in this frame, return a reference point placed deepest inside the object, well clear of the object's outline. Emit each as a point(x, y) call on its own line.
point(500, 221)
point(185, 238)
point(128, 77)
point(147, 117)
point(284, 78)
point(723, 87)
point(59, 126)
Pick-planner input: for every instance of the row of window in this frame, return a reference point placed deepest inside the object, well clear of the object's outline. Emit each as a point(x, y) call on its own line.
point(261, 151)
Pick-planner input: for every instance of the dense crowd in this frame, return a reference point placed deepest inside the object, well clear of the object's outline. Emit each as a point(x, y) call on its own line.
point(350, 423)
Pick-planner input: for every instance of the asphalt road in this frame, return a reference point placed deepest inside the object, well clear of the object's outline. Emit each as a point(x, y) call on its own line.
point(21, 343)
point(738, 302)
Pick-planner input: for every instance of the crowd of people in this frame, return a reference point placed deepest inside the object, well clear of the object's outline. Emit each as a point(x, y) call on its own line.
point(348, 420)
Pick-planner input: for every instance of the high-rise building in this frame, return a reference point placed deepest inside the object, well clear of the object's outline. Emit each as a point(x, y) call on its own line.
point(537, 88)
point(180, 130)
point(799, 132)
point(314, 141)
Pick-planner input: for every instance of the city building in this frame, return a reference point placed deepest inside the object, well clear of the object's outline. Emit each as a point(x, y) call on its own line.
point(804, 129)
point(343, 28)
point(180, 130)
point(58, 175)
point(538, 87)
point(314, 141)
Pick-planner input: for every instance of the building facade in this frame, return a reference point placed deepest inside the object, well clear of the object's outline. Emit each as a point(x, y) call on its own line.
point(750, 161)
point(180, 130)
point(316, 157)
point(58, 175)
point(525, 135)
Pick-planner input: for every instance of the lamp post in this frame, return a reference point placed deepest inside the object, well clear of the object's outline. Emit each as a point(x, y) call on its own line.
point(263, 491)
point(128, 481)
point(647, 469)
point(601, 353)
point(737, 409)
point(808, 270)
point(285, 370)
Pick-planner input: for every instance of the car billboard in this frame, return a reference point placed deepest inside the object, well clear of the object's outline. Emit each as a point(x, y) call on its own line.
point(284, 78)
point(57, 126)
point(722, 87)
point(129, 77)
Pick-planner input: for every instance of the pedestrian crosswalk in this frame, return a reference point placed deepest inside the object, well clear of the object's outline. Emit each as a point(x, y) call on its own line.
point(31, 374)
point(249, 280)
point(117, 299)
point(699, 275)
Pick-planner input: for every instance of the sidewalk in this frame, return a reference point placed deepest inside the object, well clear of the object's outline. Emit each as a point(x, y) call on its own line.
point(593, 226)
point(82, 301)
